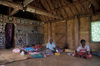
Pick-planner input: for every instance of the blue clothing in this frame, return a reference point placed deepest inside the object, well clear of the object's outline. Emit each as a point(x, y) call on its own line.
point(51, 46)
point(28, 49)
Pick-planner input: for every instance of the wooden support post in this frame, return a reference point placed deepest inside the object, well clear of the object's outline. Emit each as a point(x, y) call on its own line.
point(90, 18)
point(91, 48)
point(9, 10)
point(66, 42)
point(53, 32)
point(73, 33)
point(15, 36)
point(45, 34)
point(77, 31)
point(49, 31)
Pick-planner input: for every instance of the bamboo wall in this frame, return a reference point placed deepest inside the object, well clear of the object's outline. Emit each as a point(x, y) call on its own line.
point(70, 32)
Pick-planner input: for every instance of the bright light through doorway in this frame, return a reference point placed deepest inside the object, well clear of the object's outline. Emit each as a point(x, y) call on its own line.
point(95, 31)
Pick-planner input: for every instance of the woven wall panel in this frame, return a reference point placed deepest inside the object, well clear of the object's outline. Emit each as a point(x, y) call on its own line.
point(29, 35)
point(84, 29)
point(45, 33)
point(70, 34)
point(60, 33)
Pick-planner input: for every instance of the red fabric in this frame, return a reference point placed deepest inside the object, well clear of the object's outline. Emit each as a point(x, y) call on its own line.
point(89, 56)
point(38, 46)
point(83, 50)
point(81, 53)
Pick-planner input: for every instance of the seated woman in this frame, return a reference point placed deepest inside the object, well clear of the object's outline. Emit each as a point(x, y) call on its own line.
point(51, 46)
point(83, 50)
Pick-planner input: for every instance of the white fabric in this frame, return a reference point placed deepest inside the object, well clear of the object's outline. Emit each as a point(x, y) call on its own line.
point(86, 47)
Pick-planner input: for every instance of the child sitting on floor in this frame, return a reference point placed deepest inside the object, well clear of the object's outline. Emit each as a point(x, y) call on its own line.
point(83, 50)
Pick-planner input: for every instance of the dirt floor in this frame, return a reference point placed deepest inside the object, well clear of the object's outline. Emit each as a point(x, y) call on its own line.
point(6, 55)
point(62, 60)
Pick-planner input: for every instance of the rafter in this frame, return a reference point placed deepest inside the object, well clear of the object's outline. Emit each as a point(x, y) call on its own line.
point(28, 8)
point(68, 5)
point(26, 2)
point(13, 12)
point(72, 17)
point(65, 13)
point(11, 4)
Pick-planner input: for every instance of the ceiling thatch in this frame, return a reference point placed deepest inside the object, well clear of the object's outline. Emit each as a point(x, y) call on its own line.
point(52, 10)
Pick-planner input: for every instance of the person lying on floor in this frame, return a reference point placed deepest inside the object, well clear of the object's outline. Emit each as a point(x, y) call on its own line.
point(23, 50)
point(83, 50)
point(51, 47)
point(35, 49)
point(31, 49)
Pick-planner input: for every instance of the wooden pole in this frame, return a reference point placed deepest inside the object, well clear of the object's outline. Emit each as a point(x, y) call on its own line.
point(15, 36)
point(73, 33)
point(66, 40)
point(91, 48)
point(77, 31)
point(90, 28)
point(50, 30)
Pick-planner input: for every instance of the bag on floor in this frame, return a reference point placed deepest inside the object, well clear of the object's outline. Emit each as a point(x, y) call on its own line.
point(22, 53)
point(16, 50)
point(96, 53)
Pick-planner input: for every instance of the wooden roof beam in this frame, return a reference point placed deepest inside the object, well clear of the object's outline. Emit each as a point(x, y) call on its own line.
point(72, 17)
point(68, 5)
point(14, 12)
point(41, 12)
point(11, 4)
point(53, 21)
point(27, 2)
point(28, 8)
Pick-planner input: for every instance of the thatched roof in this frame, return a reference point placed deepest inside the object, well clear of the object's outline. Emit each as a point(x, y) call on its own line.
point(51, 10)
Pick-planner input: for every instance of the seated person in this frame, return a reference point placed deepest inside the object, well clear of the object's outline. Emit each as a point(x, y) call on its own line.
point(83, 50)
point(22, 49)
point(51, 46)
point(34, 48)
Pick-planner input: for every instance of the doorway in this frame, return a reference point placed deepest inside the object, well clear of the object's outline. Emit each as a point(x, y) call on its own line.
point(9, 35)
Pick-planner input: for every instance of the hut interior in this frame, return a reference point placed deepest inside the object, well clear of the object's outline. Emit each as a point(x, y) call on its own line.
point(28, 22)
